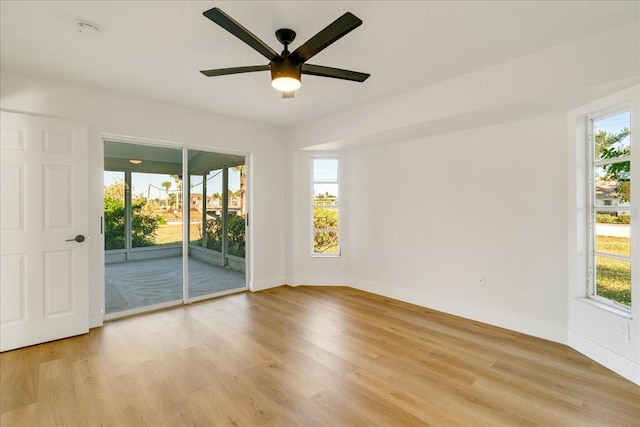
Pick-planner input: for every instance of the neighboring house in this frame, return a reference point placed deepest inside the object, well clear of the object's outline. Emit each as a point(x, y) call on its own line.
point(606, 194)
point(214, 203)
point(196, 201)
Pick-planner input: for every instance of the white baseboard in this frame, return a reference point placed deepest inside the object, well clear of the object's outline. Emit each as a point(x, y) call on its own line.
point(507, 320)
point(95, 320)
point(607, 358)
point(266, 283)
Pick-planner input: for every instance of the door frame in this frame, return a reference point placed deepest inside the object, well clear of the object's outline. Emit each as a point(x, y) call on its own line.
point(100, 251)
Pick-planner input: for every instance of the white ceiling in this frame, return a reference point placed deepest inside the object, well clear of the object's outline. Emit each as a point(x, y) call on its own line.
point(155, 49)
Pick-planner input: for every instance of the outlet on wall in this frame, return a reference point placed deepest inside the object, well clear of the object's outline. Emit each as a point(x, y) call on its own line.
point(625, 330)
point(482, 282)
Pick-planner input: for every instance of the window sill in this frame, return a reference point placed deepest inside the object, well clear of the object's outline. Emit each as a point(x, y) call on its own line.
point(606, 307)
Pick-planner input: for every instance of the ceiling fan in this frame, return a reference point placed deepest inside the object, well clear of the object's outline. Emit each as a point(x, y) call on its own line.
point(287, 67)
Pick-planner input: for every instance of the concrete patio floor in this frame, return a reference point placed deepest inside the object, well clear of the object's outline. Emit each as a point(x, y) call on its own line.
point(136, 284)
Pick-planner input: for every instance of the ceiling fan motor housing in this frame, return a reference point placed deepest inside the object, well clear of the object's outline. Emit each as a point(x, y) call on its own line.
point(286, 67)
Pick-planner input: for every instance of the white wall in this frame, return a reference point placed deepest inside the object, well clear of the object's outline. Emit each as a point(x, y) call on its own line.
point(477, 167)
point(488, 202)
point(112, 113)
point(425, 219)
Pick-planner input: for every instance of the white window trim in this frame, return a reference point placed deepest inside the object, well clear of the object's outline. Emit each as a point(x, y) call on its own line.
point(312, 204)
point(591, 163)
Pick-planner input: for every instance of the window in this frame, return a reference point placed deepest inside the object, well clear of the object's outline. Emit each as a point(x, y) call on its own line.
point(325, 207)
point(609, 220)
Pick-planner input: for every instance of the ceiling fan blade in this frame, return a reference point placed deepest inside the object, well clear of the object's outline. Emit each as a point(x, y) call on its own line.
point(235, 70)
point(336, 73)
point(229, 24)
point(332, 32)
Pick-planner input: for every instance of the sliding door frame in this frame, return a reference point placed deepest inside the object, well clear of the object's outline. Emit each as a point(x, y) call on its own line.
point(106, 137)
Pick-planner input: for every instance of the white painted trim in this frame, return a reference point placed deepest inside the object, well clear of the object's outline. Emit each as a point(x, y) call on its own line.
point(167, 144)
point(617, 363)
point(622, 312)
point(594, 328)
point(216, 295)
point(249, 221)
point(185, 244)
point(312, 159)
point(508, 320)
point(315, 283)
point(98, 253)
point(262, 283)
point(96, 320)
point(141, 310)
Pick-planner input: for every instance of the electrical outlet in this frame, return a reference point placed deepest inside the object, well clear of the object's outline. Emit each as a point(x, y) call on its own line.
point(482, 282)
point(625, 330)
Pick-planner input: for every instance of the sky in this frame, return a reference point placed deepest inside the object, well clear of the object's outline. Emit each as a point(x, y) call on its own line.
point(325, 169)
point(150, 185)
point(614, 124)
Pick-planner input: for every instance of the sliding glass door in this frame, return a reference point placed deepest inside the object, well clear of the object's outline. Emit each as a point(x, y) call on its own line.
point(163, 231)
point(216, 224)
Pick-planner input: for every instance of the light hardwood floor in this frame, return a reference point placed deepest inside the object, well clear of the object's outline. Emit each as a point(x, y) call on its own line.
point(308, 356)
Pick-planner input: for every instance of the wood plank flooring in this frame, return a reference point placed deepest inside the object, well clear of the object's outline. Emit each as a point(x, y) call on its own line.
point(302, 356)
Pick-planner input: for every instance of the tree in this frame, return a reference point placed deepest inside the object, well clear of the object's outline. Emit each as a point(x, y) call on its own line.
point(243, 184)
point(114, 215)
point(236, 235)
point(114, 218)
point(173, 200)
point(166, 185)
point(325, 241)
point(609, 146)
point(144, 222)
point(178, 180)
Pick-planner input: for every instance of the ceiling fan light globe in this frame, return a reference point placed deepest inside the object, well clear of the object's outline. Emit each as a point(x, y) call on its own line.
point(286, 84)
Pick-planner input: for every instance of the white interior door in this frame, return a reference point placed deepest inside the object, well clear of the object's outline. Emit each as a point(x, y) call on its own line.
point(43, 205)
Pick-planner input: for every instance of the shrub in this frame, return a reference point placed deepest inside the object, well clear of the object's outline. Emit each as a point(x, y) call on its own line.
point(114, 219)
point(144, 224)
point(235, 238)
point(612, 218)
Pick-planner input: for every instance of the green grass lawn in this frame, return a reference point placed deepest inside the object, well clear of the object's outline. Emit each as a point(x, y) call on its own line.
point(613, 277)
point(172, 233)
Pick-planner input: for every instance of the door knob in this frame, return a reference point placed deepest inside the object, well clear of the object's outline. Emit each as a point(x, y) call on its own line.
point(79, 238)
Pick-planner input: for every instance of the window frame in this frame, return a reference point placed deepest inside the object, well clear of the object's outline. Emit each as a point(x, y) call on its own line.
point(335, 207)
point(593, 208)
